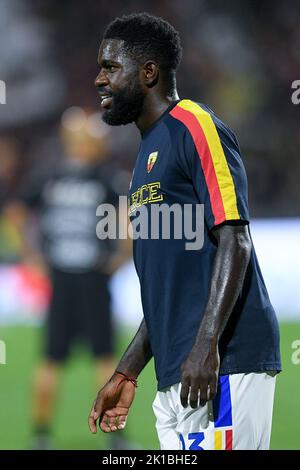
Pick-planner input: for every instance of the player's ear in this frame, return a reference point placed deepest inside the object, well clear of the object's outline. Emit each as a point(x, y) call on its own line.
point(150, 73)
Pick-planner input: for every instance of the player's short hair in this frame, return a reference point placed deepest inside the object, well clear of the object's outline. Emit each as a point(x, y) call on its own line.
point(148, 37)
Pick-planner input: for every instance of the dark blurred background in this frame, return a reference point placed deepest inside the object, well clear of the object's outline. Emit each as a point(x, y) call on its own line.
point(240, 58)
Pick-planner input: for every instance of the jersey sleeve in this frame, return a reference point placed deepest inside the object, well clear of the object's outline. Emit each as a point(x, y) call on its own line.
point(210, 157)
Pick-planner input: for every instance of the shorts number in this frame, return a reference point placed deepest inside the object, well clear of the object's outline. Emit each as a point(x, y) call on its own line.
point(196, 438)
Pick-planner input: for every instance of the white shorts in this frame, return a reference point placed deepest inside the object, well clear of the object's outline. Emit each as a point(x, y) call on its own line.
point(240, 417)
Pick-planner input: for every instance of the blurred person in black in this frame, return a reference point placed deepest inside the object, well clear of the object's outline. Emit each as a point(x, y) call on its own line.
point(78, 263)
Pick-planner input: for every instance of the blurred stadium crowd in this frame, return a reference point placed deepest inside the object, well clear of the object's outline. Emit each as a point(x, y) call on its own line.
point(238, 58)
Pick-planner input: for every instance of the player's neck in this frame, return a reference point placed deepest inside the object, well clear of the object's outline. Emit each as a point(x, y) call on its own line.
point(154, 106)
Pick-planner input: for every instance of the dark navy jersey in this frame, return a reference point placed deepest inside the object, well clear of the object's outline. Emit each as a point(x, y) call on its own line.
point(189, 157)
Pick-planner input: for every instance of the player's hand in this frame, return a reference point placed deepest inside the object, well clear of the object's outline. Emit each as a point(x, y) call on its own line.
point(112, 405)
point(199, 374)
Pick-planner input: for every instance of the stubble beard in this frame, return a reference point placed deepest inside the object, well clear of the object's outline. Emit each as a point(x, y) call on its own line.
point(126, 106)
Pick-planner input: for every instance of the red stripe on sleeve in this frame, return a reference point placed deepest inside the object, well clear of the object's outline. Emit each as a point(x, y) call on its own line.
point(193, 125)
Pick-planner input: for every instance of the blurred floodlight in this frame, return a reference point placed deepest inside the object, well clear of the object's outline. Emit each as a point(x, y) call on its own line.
point(75, 119)
point(96, 127)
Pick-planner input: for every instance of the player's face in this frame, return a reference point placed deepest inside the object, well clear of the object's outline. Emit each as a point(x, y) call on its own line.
point(118, 84)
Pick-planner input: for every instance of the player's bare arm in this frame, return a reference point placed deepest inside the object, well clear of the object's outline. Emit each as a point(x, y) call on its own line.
point(113, 401)
point(201, 367)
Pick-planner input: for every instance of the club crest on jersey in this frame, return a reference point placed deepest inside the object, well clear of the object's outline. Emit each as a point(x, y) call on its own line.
point(151, 160)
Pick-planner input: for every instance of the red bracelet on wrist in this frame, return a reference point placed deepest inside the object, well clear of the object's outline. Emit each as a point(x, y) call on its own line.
point(126, 377)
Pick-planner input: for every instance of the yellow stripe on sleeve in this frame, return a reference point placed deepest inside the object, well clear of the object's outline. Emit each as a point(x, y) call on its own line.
point(222, 171)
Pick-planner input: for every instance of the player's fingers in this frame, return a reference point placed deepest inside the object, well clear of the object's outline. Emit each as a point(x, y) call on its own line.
point(117, 411)
point(203, 393)
point(194, 395)
point(212, 388)
point(117, 418)
point(185, 388)
point(98, 408)
point(92, 420)
point(113, 423)
point(122, 422)
point(105, 423)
